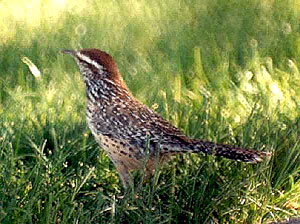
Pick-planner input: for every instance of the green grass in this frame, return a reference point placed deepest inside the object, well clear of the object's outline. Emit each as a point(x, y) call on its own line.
point(221, 70)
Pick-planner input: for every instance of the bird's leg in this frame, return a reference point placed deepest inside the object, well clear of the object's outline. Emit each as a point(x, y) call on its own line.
point(124, 174)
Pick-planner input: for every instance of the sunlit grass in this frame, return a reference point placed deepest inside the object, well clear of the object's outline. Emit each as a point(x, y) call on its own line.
point(225, 71)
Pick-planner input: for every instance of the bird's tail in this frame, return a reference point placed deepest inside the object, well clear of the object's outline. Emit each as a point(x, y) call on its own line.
point(229, 151)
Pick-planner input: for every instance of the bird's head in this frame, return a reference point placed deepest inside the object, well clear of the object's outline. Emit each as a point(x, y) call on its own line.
point(95, 64)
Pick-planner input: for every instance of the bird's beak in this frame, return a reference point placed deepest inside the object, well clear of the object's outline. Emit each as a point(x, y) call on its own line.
point(71, 52)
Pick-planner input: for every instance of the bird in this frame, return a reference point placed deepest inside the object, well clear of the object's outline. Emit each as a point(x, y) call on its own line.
point(134, 136)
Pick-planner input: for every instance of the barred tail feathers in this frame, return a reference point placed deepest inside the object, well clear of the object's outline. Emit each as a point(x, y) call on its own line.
point(230, 152)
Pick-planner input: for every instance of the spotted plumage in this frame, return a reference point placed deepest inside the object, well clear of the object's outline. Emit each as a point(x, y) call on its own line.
point(128, 130)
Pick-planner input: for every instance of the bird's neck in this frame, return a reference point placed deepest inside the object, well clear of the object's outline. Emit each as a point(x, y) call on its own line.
point(106, 90)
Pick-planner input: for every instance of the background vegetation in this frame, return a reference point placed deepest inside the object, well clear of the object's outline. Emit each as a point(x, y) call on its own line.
point(226, 71)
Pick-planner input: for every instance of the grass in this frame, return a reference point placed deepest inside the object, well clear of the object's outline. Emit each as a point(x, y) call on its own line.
point(226, 71)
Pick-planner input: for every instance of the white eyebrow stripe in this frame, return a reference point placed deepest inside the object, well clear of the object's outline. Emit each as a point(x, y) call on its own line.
point(89, 61)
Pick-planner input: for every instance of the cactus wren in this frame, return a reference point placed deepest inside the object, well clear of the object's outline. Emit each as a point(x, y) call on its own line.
point(128, 130)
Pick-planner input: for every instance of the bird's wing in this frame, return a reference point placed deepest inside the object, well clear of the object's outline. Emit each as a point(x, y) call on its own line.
point(156, 126)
